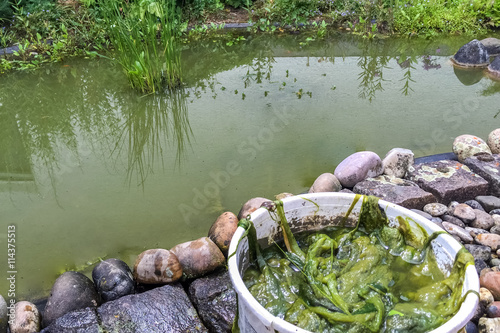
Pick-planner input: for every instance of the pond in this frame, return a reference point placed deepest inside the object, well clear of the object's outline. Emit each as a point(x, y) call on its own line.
point(90, 169)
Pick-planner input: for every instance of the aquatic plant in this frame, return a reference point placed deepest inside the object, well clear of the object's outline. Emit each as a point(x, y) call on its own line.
point(143, 36)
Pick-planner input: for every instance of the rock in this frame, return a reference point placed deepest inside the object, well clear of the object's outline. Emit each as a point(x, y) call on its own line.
point(491, 240)
point(465, 213)
point(26, 318)
point(470, 327)
point(491, 281)
point(494, 67)
point(495, 229)
point(483, 220)
point(480, 265)
point(467, 145)
point(283, 195)
point(422, 213)
point(251, 206)
point(346, 190)
point(215, 300)
point(495, 212)
point(475, 231)
point(326, 182)
point(479, 251)
point(448, 180)
point(4, 319)
point(397, 161)
point(453, 229)
point(435, 209)
point(198, 257)
point(494, 262)
point(494, 141)
point(485, 297)
point(493, 310)
point(357, 167)
point(454, 220)
point(157, 266)
point(113, 279)
point(71, 291)
point(163, 309)
point(496, 218)
point(396, 190)
point(492, 45)
point(472, 54)
point(489, 325)
point(222, 230)
point(80, 321)
point(451, 206)
point(474, 204)
point(489, 169)
point(489, 202)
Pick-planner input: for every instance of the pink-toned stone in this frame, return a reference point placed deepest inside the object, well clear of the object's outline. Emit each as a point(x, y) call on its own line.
point(357, 167)
point(491, 240)
point(251, 206)
point(491, 281)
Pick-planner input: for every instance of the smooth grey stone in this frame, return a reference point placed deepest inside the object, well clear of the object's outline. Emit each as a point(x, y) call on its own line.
point(424, 214)
point(474, 205)
point(435, 209)
point(454, 220)
point(163, 309)
point(464, 213)
point(436, 220)
point(494, 262)
point(492, 45)
point(326, 182)
point(357, 167)
point(489, 202)
point(470, 327)
point(397, 161)
point(480, 265)
point(451, 206)
point(483, 220)
point(79, 321)
point(453, 229)
point(215, 300)
point(71, 291)
point(479, 251)
point(472, 54)
point(113, 279)
point(4, 319)
point(476, 231)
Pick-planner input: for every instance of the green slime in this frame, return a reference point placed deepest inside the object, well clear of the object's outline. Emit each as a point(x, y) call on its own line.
point(371, 278)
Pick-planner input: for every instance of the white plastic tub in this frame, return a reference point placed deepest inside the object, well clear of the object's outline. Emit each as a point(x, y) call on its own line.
point(310, 211)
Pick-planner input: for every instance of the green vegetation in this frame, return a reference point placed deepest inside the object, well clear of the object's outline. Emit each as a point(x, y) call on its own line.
point(144, 35)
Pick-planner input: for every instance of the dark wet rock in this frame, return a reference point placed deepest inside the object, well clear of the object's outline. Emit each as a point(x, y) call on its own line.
point(461, 233)
point(472, 54)
point(454, 220)
point(491, 240)
point(113, 279)
point(4, 320)
point(326, 182)
point(479, 251)
point(480, 265)
point(26, 318)
point(215, 300)
point(468, 145)
point(435, 209)
point(470, 327)
point(468, 76)
point(465, 213)
point(422, 213)
point(483, 220)
point(494, 67)
point(494, 141)
point(492, 45)
point(448, 180)
point(489, 170)
point(71, 291)
point(396, 190)
point(358, 167)
point(489, 202)
point(163, 309)
point(80, 321)
point(251, 206)
point(397, 161)
point(474, 204)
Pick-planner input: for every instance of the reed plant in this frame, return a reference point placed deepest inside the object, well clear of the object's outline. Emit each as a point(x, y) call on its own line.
point(143, 36)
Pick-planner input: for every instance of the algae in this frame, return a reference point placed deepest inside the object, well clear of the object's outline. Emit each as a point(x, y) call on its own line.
point(371, 278)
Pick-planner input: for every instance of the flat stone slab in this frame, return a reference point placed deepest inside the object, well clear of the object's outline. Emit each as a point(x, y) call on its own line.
point(448, 180)
point(163, 309)
point(396, 190)
point(488, 167)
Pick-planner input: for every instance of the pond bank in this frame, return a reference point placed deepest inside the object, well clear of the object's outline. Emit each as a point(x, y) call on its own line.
point(459, 193)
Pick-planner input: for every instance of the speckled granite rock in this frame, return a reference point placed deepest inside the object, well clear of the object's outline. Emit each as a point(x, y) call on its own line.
point(488, 168)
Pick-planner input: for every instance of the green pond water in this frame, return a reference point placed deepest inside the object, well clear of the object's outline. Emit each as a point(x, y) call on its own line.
point(89, 169)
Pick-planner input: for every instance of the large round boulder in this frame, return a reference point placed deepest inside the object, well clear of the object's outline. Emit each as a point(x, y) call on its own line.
point(223, 230)
point(198, 257)
point(71, 291)
point(26, 318)
point(472, 54)
point(468, 145)
point(326, 182)
point(157, 266)
point(113, 279)
point(358, 167)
